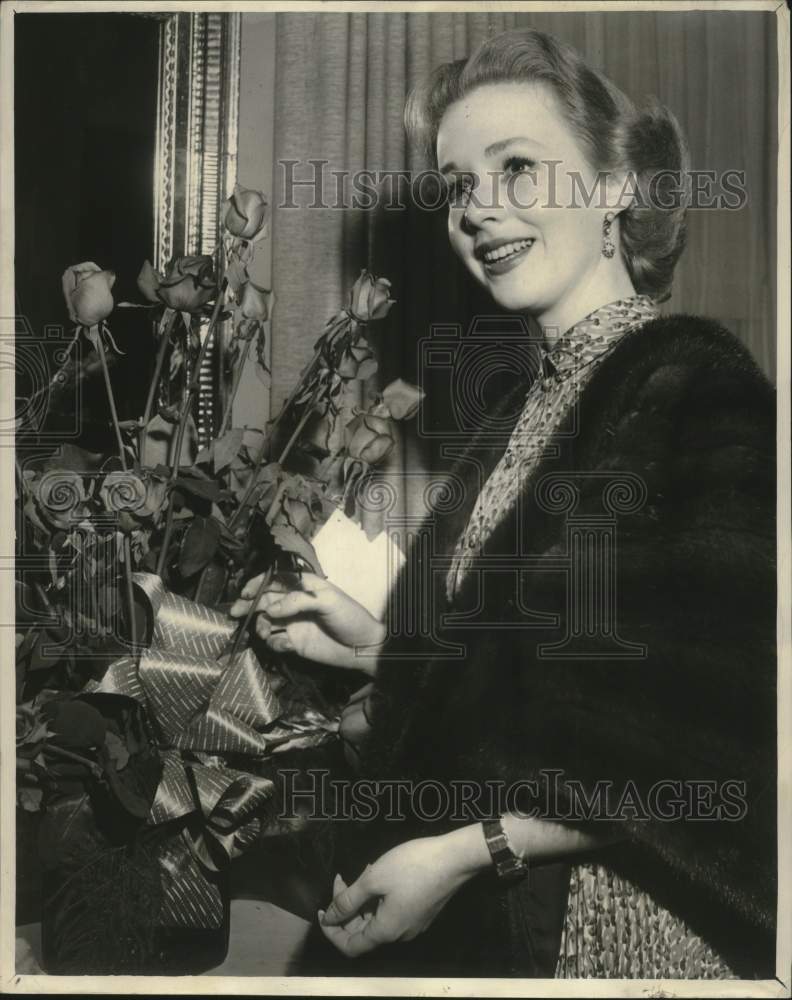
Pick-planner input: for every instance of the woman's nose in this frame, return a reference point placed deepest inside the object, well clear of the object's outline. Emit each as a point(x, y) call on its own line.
point(485, 202)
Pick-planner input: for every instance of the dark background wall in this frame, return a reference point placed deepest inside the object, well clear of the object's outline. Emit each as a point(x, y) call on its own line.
point(85, 117)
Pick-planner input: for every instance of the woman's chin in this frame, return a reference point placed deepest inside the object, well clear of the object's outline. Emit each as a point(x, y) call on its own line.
point(515, 299)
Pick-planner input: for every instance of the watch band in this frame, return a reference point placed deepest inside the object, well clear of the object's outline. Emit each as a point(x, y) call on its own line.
point(507, 864)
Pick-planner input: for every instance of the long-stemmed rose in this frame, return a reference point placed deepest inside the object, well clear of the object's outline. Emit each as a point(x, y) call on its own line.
point(184, 415)
point(370, 298)
point(186, 286)
point(166, 325)
point(400, 400)
point(252, 312)
point(246, 213)
point(341, 348)
point(368, 438)
point(87, 289)
point(133, 497)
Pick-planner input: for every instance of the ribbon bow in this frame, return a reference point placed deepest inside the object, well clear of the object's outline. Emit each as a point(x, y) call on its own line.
point(202, 703)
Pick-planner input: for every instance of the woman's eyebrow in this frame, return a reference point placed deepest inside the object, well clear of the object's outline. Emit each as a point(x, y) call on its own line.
point(494, 149)
point(498, 147)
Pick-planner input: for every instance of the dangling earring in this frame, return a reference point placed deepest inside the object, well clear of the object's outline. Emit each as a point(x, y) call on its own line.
point(608, 246)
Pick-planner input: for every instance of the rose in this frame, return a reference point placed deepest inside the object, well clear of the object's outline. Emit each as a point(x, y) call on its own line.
point(132, 497)
point(61, 497)
point(86, 288)
point(370, 298)
point(246, 213)
point(402, 399)
point(187, 285)
point(357, 362)
point(369, 438)
point(294, 513)
point(254, 302)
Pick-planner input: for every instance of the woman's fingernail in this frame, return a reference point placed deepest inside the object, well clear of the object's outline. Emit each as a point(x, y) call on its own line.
point(321, 914)
point(276, 606)
point(337, 885)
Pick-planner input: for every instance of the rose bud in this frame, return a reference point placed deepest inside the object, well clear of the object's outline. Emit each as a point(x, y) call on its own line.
point(86, 288)
point(254, 302)
point(368, 438)
point(246, 213)
point(370, 298)
point(402, 399)
point(187, 285)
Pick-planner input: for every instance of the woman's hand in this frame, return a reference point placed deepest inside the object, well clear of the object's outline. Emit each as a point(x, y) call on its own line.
point(399, 896)
point(319, 622)
point(355, 724)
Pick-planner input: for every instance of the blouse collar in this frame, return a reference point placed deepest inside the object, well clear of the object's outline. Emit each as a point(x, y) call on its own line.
point(594, 334)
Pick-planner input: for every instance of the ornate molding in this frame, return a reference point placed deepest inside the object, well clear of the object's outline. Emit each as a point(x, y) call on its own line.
point(196, 153)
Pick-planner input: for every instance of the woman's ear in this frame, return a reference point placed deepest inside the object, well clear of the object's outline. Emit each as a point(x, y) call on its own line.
point(621, 190)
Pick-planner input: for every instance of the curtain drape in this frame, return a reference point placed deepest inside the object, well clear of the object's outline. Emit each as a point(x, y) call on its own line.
point(341, 83)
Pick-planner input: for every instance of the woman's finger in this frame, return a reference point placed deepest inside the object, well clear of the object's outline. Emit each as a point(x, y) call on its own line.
point(360, 694)
point(250, 589)
point(241, 607)
point(280, 642)
point(347, 902)
point(310, 581)
point(295, 603)
point(358, 942)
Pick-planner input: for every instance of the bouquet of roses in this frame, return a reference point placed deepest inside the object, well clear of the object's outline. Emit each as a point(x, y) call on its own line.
point(142, 549)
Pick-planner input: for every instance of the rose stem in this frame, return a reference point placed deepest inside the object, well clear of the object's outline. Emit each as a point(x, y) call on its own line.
point(130, 591)
point(264, 454)
point(127, 546)
point(223, 427)
point(298, 429)
point(62, 752)
point(183, 417)
point(165, 340)
point(243, 625)
point(234, 386)
point(111, 399)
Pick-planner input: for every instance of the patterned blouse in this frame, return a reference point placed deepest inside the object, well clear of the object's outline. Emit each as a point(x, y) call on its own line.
point(567, 367)
point(612, 929)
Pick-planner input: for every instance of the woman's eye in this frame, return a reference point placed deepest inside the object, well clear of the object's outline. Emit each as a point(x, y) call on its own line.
point(520, 165)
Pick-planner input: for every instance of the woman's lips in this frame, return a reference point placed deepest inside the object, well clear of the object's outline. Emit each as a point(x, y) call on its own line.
point(505, 264)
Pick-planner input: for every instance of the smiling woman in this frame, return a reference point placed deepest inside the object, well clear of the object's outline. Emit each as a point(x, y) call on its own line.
point(545, 257)
point(609, 578)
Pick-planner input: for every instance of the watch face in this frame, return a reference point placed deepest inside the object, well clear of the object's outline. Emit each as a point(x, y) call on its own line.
point(507, 864)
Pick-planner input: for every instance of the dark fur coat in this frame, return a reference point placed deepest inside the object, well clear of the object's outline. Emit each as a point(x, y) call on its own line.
point(680, 407)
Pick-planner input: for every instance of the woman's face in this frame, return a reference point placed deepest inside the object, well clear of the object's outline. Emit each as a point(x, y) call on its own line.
point(520, 184)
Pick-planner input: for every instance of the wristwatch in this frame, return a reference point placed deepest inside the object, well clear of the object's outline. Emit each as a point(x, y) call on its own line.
point(507, 864)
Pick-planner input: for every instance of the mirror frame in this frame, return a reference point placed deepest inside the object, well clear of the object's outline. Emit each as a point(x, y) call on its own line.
point(195, 163)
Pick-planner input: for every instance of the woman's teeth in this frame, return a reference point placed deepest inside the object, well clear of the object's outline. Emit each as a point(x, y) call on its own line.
point(507, 250)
